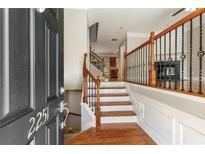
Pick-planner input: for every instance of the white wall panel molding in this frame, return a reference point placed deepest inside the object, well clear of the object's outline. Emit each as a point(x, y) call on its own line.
point(165, 116)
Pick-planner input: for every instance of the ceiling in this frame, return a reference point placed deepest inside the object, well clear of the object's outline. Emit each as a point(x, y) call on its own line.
point(115, 23)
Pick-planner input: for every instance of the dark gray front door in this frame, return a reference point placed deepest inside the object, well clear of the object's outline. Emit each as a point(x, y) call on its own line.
point(31, 76)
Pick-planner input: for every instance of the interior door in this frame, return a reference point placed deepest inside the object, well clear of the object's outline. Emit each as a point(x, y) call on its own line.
point(31, 79)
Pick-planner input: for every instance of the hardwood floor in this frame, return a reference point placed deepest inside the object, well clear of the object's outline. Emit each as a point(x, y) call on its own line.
point(112, 134)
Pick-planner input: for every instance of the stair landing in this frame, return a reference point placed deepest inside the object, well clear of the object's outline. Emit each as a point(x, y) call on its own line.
point(112, 134)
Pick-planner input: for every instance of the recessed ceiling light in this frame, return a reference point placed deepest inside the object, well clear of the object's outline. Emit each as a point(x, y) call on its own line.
point(114, 39)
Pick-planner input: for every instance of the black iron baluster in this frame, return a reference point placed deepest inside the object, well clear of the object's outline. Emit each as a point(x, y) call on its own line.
point(143, 54)
point(141, 66)
point(130, 67)
point(92, 95)
point(156, 68)
point(89, 88)
point(160, 62)
point(164, 70)
point(95, 99)
point(127, 68)
point(148, 56)
point(200, 54)
point(175, 85)
point(146, 64)
point(135, 66)
point(182, 58)
point(138, 66)
point(170, 60)
point(190, 60)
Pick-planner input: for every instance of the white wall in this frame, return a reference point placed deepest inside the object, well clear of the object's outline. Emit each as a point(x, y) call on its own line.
point(135, 39)
point(122, 50)
point(75, 45)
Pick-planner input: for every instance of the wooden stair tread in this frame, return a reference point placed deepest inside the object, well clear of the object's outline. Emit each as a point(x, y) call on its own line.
point(114, 103)
point(117, 113)
point(119, 125)
point(114, 95)
point(112, 87)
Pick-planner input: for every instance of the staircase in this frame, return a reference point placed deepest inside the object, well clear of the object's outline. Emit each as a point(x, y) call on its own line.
point(106, 102)
point(115, 105)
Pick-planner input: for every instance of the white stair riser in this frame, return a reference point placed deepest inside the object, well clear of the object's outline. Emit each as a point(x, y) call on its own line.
point(108, 91)
point(112, 91)
point(116, 108)
point(112, 84)
point(107, 84)
point(114, 99)
point(118, 119)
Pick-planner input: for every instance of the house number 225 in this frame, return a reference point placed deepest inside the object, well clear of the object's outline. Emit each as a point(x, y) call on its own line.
point(37, 121)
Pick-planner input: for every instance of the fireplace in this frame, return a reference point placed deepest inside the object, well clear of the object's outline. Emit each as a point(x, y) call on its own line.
point(167, 70)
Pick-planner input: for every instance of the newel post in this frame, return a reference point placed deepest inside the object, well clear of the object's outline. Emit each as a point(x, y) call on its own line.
point(125, 67)
point(98, 103)
point(152, 71)
point(84, 79)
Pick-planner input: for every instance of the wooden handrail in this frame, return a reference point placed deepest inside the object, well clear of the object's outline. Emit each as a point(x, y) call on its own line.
point(139, 47)
point(181, 22)
point(172, 27)
point(86, 71)
point(150, 43)
point(84, 66)
point(84, 79)
point(96, 80)
point(96, 56)
point(99, 59)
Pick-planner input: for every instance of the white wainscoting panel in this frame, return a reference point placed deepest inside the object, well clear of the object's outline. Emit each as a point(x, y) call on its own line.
point(160, 115)
point(160, 122)
point(189, 135)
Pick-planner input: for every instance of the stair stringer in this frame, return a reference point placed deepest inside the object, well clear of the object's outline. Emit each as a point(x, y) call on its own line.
point(88, 119)
point(135, 104)
point(138, 109)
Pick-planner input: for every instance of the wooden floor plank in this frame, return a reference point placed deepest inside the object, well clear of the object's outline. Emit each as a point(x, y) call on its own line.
point(113, 134)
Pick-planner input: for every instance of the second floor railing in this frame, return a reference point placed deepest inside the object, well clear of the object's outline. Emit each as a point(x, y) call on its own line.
point(97, 61)
point(173, 59)
point(91, 88)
